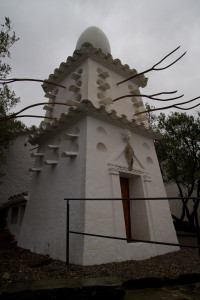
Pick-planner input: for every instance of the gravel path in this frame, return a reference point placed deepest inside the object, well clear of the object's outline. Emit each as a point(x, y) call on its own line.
point(20, 264)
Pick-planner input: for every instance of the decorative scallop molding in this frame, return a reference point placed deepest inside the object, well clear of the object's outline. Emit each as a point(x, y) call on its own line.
point(50, 96)
point(117, 62)
point(87, 50)
point(100, 111)
point(57, 72)
point(44, 123)
point(48, 108)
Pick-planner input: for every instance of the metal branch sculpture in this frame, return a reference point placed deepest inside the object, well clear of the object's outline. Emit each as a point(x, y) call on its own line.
point(152, 97)
point(16, 115)
point(135, 93)
point(154, 68)
point(171, 106)
point(11, 80)
point(187, 108)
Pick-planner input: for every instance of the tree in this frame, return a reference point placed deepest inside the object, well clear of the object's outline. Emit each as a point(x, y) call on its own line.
point(8, 99)
point(152, 118)
point(178, 155)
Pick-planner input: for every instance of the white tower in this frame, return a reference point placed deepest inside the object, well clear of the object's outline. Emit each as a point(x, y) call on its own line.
point(94, 148)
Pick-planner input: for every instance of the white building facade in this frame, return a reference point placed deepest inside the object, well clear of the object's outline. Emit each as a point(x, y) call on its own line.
point(91, 146)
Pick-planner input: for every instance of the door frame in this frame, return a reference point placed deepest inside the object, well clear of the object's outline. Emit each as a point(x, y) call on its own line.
point(124, 184)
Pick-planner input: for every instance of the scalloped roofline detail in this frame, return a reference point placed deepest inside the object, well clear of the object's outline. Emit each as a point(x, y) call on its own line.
point(86, 107)
point(86, 51)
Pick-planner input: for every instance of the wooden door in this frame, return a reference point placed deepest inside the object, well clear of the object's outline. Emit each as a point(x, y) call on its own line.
point(124, 182)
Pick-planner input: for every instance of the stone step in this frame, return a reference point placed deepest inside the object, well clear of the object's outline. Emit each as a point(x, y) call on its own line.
point(91, 288)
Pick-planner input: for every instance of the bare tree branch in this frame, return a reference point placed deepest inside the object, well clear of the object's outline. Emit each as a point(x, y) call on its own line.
point(152, 97)
point(188, 108)
point(16, 115)
point(38, 104)
point(158, 69)
point(34, 116)
point(154, 66)
point(170, 106)
point(24, 116)
point(11, 80)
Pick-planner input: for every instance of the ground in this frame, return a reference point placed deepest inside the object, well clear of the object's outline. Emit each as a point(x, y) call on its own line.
point(20, 264)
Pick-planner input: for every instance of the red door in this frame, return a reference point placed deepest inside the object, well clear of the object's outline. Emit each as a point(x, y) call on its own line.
point(124, 182)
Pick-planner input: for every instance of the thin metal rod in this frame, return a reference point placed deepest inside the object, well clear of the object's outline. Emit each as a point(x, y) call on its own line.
point(133, 240)
point(154, 66)
point(197, 229)
point(10, 80)
point(67, 235)
point(154, 198)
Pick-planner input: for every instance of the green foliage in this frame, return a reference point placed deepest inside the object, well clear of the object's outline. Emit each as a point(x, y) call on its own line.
point(152, 118)
point(7, 39)
point(8, 99)
point(178, 150)
point(178, 155)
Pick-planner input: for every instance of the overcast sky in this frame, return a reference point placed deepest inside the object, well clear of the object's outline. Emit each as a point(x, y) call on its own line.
point(140, 33)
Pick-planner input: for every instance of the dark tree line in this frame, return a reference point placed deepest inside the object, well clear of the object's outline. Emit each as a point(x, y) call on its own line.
point(179, 157)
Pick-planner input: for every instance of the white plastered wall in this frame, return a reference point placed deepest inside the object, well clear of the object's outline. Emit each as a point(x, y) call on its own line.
point(76, 89)
point(105, 164)
point(44, 226)
point(126, 106)
point(93, 173)
point(84, 82)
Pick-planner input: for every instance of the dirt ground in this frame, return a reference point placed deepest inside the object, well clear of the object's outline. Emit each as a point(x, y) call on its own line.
point(20, 264)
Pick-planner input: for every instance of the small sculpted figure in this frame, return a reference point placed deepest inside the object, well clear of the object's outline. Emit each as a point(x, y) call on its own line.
point(128, 151)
